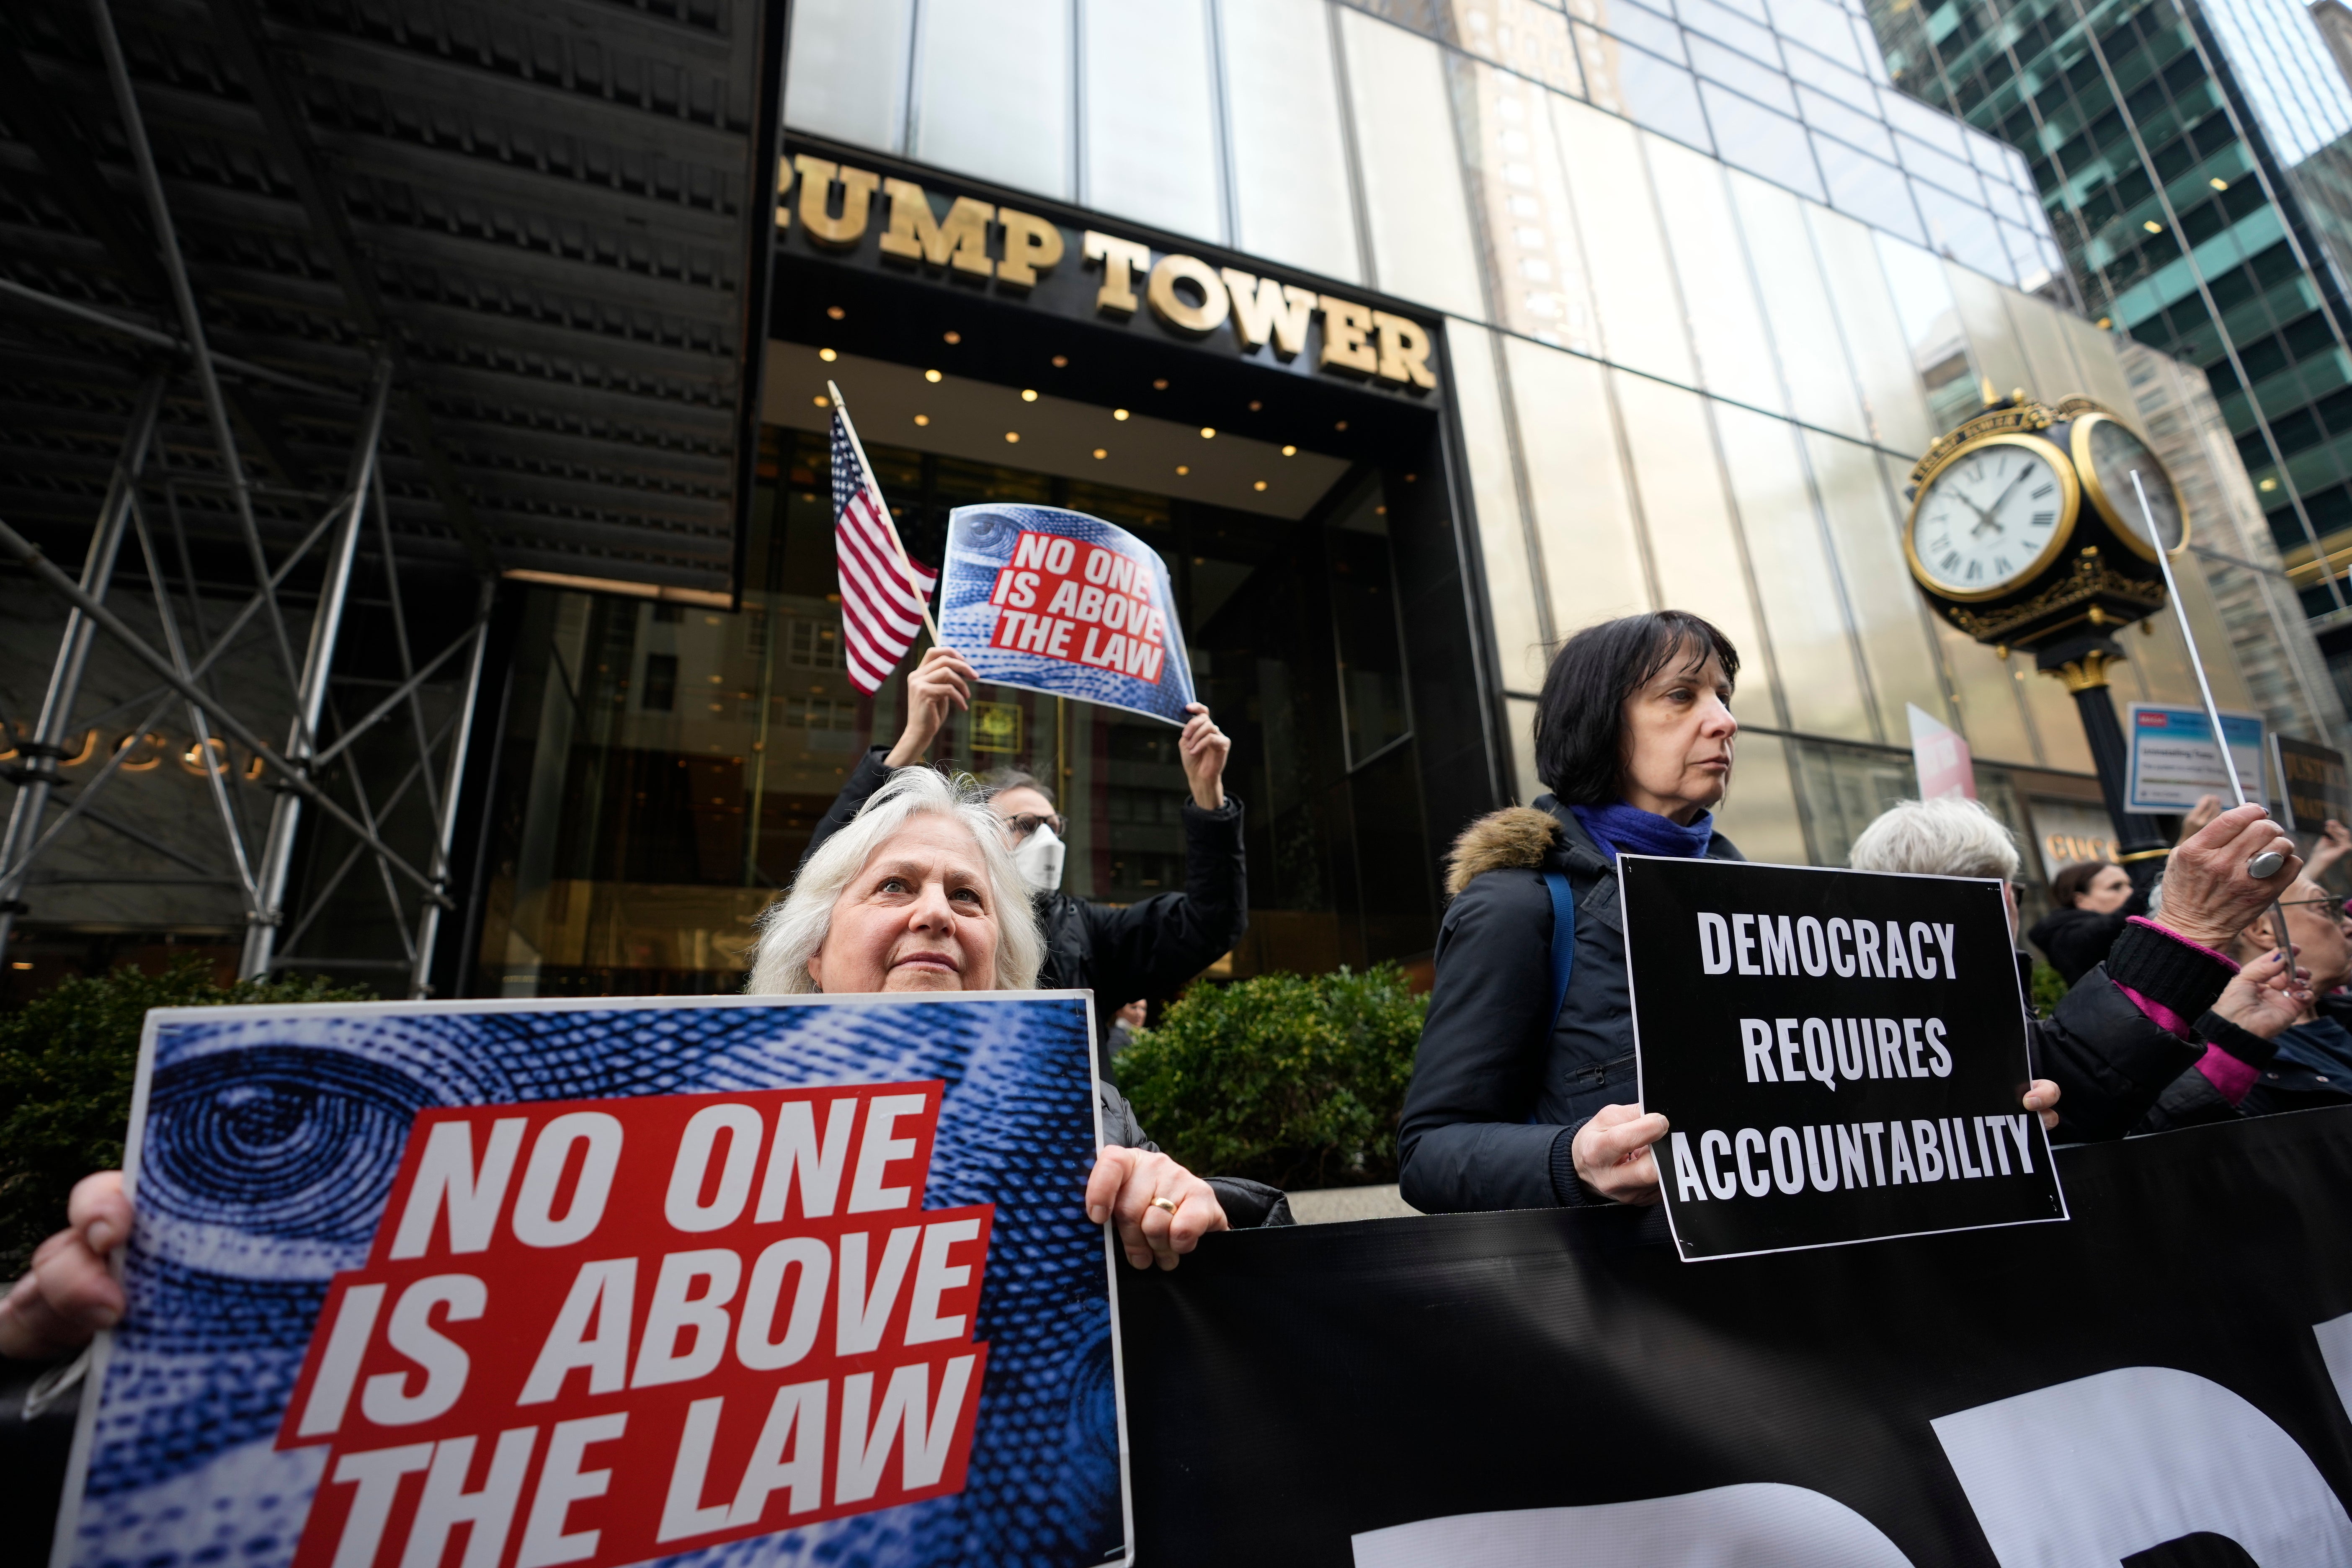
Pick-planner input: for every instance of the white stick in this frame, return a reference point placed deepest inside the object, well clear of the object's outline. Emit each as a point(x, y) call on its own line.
point(883, 506)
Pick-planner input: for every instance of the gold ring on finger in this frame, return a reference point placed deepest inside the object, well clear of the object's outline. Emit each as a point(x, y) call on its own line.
point(1170, 1205)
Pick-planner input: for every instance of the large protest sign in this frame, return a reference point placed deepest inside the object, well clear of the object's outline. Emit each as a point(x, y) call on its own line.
point(2313, 782)
point(1550, 1388)
point(1840, 1054)
point(774, 1281)
point(2174, 761)
point(1059, 602)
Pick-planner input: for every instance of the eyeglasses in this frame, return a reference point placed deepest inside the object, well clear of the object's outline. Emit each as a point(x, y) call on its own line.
point(2338, 905)
point(1023, 826)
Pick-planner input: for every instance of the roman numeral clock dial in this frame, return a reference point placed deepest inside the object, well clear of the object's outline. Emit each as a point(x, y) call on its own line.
point(1992, 517)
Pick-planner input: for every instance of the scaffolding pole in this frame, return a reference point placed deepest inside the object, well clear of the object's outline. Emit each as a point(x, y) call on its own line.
point(428, 924)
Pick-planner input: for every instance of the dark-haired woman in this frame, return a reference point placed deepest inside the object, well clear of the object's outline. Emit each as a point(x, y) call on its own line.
point(1513, 1106)
point(2096, 899)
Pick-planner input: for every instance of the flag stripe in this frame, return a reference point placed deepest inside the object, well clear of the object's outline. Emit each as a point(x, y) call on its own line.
point(883, 592)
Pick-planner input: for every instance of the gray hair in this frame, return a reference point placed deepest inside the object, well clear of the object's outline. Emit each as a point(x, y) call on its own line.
point(1948, 836)
point(794, 927)
point(996, 781)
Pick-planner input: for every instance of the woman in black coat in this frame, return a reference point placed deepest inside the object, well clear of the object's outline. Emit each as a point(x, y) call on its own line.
point(2095, 900)
point(1512, 1105)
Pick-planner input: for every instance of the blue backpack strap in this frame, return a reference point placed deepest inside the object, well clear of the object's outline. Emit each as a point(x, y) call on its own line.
point(1563, 941)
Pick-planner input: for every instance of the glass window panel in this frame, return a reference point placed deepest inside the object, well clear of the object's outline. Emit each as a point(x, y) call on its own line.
point(1952, 173)
point(1797, 304)
point(1962, 232)
point(2025, 255)
point(1804, 606)
point(1930, 319)
point(1848, 88)
point(2096, 357)
point(1873, 58)
point(1818, 25)
point(1526, 35)
point(1289, 157)
point(1987, 155)
point(1908, 115)
point(1151, 142)
point(1754, 10)
point(1848, 124)
point(1759, 813)
point(1734, 353)
point(1736, 71)
point(1414, 204)
point(1710, 20)
point(1495, 493)
point(1892, 399)
point(1985, 691)
point(1632, 281)
point(1868, 188)
point(1888, 615)
point(845, 74)
point(1754, 137)
point(1584, 517)
point(1539, 283)
point(1640, 25)
point(993, 93)
point(2057, 723)
point(1992, 337)
point(1522, 712)
point(1693, 541)
point(2006, 203)
point(1637, 84)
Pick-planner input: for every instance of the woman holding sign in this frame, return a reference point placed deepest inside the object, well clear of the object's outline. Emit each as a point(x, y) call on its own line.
point(1522, 1088)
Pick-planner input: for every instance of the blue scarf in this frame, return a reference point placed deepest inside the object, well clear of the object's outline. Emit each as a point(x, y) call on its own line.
point(1638, 832)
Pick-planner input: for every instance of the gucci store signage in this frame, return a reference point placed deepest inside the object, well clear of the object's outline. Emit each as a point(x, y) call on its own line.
point(838, 209)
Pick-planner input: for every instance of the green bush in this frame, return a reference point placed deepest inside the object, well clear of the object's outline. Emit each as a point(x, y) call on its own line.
point(67, 1063)
point(2049, 988)
point(1292, 1079)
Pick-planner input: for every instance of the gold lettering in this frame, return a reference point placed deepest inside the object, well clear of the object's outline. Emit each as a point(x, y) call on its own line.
point(960, 242)
point(1174, 309)
point(857, 185)
point(155, 744)
point(206, 756)
point(784, 188)
point(1264, 308)
point(89, 745)
point(1346, 325)
point(1404, 351)
point(1122, 259)
point(1032, 246)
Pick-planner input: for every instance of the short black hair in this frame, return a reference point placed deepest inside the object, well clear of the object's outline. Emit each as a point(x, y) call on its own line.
point(1581, 751)
point(2072, 881)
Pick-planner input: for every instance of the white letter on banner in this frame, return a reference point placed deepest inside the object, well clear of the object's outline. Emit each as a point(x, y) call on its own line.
point(445, 1174)
point(866, 1193)
point(682, 1514)
point(489, 1512)
point(339, 1368)
point(535, 1224)
point(673, 1313)
point(1687, 1186)
point(562, 1483)
point(1840, 958)
point(906, 1403)
point(1756, 1043)
point(683, 1205)
point(796, 1149)
point(1713, 1147)
point(384, 1398)
point(1714, 944)
point(376, 1477)
point(2105, 1466)
point(1757, 1524)
point(797, 1415)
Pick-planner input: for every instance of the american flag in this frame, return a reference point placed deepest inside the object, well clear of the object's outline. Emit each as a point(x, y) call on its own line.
point(884, 593)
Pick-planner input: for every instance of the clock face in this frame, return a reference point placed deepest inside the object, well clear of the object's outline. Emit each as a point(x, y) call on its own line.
point(2114, 454)
point(1989, 518)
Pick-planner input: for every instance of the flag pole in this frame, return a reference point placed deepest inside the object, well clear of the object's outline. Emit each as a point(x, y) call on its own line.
point(866, 469)
point(2266, 864)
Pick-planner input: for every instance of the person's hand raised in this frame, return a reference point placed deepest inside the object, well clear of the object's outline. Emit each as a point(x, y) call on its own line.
point(2335, 843)
point(941, 681)
point(2265, 997)
point(1613, 1153)
point(69, 1294)
point(2208, 897)
point(2207, 808)
point(1204, 748)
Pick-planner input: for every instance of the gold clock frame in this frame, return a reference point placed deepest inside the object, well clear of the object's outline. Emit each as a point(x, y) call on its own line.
point(2079, 442)
point(2070, 508)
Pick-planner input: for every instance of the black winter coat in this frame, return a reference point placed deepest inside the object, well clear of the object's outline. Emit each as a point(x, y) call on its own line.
point(1248, 1204)
point(2076, 940)
point(1498, 1091)
point(1147, 949)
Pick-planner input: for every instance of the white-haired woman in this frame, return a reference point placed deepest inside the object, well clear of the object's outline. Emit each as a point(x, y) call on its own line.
point(918, 894)
point(2135, 1031)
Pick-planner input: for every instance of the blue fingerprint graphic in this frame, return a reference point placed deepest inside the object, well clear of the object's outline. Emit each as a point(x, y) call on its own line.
point(271, 1141)
point(981, 540)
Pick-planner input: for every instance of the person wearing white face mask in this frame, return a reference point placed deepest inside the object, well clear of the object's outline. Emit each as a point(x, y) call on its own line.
point(1150, 948)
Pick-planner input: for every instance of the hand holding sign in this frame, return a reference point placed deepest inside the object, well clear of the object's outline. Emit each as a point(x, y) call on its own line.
point(943, 681)
point(1204, 748)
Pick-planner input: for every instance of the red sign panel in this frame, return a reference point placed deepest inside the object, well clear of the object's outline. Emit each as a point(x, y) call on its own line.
point(1080, 602)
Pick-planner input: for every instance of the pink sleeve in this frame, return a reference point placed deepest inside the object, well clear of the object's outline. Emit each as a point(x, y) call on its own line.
point(2162, 1017)
point(2227, 1074)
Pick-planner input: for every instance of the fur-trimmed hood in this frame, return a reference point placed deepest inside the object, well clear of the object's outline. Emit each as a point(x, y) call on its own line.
point(1516, 836)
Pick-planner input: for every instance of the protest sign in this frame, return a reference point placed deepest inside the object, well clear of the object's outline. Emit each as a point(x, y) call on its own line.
point(1941, 756)
point(1059, 602)
point(765, 1281)
point(1840, 1055)
point(1548, 1388)
point(2174, 760)
point(2313, 782)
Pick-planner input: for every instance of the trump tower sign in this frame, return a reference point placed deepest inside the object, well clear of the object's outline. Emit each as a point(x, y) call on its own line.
point(596, 1283)
point(1839, 1055)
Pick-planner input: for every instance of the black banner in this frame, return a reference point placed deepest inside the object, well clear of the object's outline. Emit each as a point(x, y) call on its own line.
point(2313, 782)
point(2144, 1386)
point(1840, 1055)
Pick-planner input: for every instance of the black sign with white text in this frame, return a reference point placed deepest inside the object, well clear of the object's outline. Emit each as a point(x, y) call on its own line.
point(1839, 1055)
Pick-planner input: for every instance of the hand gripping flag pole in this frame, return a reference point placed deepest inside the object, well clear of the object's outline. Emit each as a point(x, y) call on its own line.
point(885, 596)
point(2266, 864)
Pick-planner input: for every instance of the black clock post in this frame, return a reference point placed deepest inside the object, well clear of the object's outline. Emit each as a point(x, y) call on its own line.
point(2019, 536)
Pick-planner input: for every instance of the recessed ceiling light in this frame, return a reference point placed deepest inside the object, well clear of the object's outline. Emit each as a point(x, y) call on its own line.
point(930, 375)
point(952, 337)
point(2270, 484)
point(1028, 394)
point(1379, 511)
point(1183, 468)
point(922, 419)
point(836, 311)
point(1013, 435)
point(1118, 413)
point(1061, 362)
point(2105, 321)
point(822, 401)
point(1102, 451)
point(827, 355)
point(1342, 426)
point(2217, 182)
point(1259, 486)
point(2152, 226)
point(1207, 434)
point(1291, 451)
point(1255, 405)
point(1161, 384)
